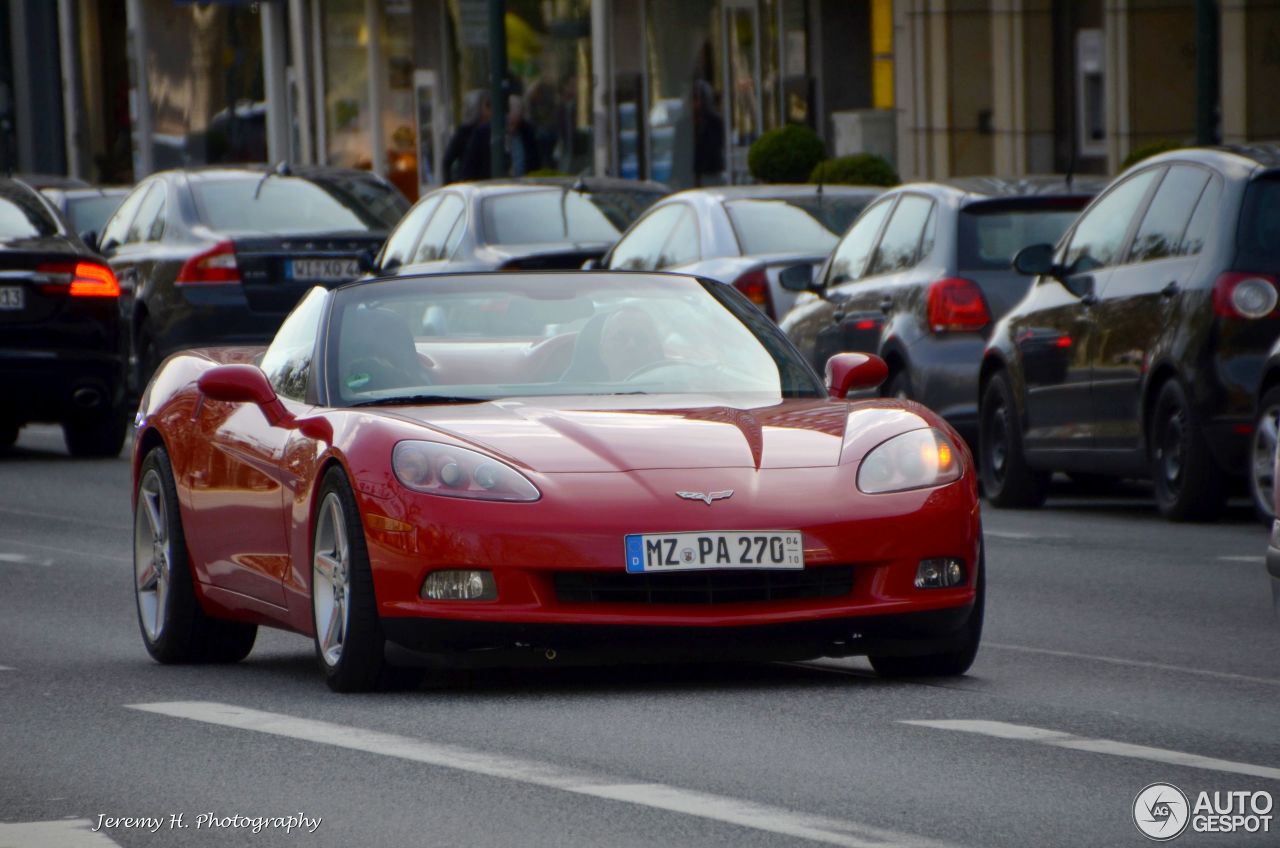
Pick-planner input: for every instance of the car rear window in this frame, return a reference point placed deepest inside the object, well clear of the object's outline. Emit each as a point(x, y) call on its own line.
point(992, 232)
point(90, 213)
point(545, 217)
point(278, 204)
point(792, 224)
point(1258, 238)
point(22, 215)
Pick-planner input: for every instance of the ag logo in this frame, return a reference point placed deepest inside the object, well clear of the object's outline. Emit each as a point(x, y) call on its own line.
point(1161, 812)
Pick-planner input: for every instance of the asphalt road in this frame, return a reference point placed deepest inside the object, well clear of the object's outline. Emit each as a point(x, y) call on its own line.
point(1120, 651)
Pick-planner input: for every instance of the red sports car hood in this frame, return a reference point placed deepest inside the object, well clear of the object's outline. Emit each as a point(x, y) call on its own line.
point(613, 434)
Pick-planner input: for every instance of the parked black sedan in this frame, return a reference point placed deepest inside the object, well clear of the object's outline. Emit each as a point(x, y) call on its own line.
point(1139, 349)
point(62, 351)
point(533, 224)
point(220, 255)
point(920, 277)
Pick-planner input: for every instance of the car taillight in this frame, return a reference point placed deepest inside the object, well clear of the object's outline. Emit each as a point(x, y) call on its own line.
point(1242, 295)
point(957, 304)
point(80, 279)
point(755, 285)
point(216, 265)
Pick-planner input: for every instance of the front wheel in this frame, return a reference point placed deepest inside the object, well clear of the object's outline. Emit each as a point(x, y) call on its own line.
point(1262, 456)
point(951, 663)
point(1188, 484)
point(1007, 479)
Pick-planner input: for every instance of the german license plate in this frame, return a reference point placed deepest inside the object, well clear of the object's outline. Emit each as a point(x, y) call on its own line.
point(323, 269)
point(701, 551)
point(12, 298)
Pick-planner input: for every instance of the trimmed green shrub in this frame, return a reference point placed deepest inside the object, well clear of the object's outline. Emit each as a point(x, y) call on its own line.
point(1137, 154)
point(858, 169)
point(785, 155)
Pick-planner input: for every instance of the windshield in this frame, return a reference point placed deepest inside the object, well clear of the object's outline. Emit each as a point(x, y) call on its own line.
point(991, 233)
point(22, 215)
point(269, 203)
point(526, 335)
point(545, 217)
point(794, 224)
point(1258, 239)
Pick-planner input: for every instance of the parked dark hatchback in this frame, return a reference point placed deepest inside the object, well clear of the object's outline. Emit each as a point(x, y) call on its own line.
point(221, 255)
point(61, 349)
point(921, 275)
point(1139, 349)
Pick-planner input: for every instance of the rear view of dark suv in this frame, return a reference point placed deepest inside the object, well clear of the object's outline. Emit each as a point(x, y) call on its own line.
point(61, 348)
point(1139, 349)
point(922, 275)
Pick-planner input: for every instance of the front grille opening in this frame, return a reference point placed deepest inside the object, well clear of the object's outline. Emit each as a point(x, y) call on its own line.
point(702, 587)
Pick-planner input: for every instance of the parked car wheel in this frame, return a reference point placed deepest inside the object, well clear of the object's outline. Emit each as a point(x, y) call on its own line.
point(1007, 480)
point(146, 357)
point(899, 385)
point(348, 636)
point(175, 629)
point(1188, 484)
point(1262, 456)
point(97, 434)
point(951, 663)
point(8, 434)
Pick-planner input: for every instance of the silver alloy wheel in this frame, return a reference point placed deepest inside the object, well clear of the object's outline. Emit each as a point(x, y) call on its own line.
point(331, 579)
point(152, 555)
point(1263, 459)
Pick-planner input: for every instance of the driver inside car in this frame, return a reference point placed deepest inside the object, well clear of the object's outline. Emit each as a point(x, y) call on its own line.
point(629, 343)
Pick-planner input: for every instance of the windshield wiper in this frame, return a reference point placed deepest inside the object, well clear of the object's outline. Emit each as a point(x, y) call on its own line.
point(413, 400)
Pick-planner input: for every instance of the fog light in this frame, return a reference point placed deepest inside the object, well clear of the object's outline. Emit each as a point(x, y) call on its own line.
point(939, 573)
point(459, 585)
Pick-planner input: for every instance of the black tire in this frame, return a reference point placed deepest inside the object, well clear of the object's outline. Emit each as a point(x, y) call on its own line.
point(8, 434)
point(1007, 480)
point(178, 631)
point(1262, 456)
point(898, 385)
point(1188, 483)
point(146, 358)
point(951, 663)
point(95, 435)
point(359, 663)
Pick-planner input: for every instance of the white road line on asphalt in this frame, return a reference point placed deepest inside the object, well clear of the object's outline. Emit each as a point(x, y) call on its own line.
point(1058, 739)
point(1252, 559)
point(68, 833)
point(1180, 669)
point(7, 668)
point(85, 554)
point(660, 796)
point(24, 559)
point(72, 519)
point(1021, 537)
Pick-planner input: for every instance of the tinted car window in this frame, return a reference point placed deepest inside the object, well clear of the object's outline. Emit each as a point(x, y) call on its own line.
point(991, 233)
point(275, 204)
point(622, 207)
point(1259, 236)
point(544, 217)
point(23, 215)
point(400, 245)
point(641, 249)
point(791, 225)
point(900, 245)
point(1100, 232)
point(434, 244)
point(118, 226)
point(1202, 219)
point(851, 255)
point(148, 225)
point(1160, 233)
point(91, 213)
point(682, 245)
point(287, 362)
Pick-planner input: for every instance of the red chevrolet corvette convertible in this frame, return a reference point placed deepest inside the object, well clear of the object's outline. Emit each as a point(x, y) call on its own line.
point(584, 467)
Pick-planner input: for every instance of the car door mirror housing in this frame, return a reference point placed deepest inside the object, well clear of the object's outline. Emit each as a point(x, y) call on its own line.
point(797, 278)
point(243, 384)
point(851, 372)
point(1036, 260)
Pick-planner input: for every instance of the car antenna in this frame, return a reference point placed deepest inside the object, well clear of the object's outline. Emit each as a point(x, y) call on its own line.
point(281, 169)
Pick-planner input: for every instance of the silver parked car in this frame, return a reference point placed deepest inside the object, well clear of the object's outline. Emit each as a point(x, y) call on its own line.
point(742, 235)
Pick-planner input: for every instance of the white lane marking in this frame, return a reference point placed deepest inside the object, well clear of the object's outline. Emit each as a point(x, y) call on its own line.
point(7, 668)
point(68, 833)
point(1180, 669)
point(1250, 559)
point(1059, 739)
point(73, 519)
point(24, 559)
point(1021, 537)
point(85, 554)
point(656, 795)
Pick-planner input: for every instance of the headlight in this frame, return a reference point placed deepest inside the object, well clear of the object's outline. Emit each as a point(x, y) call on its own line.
point(459, 473)
point(912, 460)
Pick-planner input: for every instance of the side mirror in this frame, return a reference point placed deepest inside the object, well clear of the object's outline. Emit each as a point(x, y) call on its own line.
point(367, 262)
point(90, 239)
point(797, 278)
point(243, 384)
point(1035, 260)
point(851, 372)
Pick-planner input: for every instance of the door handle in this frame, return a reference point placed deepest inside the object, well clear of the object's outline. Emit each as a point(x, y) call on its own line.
point(886, 304)
point(1170, 289)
